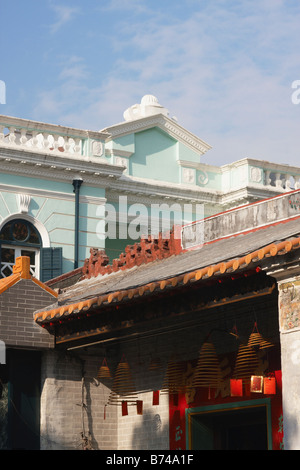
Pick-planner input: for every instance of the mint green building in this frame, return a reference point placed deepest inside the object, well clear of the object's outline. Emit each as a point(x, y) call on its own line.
point(64, 190)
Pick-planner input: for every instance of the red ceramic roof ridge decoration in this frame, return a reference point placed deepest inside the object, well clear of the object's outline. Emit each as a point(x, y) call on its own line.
point(147, 250)
point(220, 268)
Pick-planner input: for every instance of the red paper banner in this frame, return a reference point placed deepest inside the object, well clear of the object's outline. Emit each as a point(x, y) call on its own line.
point(269, 385)
point(236, 387)
point(139, 407)
point(124, 408)
point(155, 400)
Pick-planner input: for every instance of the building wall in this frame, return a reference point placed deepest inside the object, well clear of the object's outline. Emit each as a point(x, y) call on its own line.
point(52, 211)
point(17, 305)
point(289, 316)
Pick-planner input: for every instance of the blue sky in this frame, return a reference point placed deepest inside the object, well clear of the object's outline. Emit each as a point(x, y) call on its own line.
point(224, 68)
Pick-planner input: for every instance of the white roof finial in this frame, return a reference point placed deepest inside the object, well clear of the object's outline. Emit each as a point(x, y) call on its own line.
point(149, 106)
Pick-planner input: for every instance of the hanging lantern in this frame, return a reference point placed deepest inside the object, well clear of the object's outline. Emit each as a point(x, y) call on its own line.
point(246, 362)
point(257, 341)
point(155, 364)
point(255, 338)
point(265, 343)
point(173, 381)
point(104, 372)
point(208, 371)
point(123, 388)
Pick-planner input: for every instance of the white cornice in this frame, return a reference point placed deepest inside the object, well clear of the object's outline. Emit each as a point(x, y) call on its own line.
point(33, 192)
point(56, 167)
point(166, 124)
point(199, 166)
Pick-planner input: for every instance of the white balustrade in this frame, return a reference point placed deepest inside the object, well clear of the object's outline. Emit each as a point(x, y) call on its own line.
point(40, 141)
point(41, 137)
point(282, 180)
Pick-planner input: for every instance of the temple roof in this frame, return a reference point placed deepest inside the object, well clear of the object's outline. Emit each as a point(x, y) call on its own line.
point(236, 254)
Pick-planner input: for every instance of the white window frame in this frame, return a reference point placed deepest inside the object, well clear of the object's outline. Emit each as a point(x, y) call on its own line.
point(34, 269)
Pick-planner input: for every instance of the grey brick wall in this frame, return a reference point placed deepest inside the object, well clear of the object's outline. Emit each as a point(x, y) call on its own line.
point(17, 326)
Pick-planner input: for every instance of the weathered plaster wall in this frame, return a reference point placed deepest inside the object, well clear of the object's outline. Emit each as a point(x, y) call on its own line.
point(289, 318)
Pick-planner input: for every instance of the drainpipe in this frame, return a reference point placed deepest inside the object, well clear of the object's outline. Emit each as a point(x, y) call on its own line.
point(77, 182)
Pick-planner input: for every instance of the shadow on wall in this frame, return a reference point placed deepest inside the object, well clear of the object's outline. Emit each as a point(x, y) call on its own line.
point(290, 432)
point(152, 433)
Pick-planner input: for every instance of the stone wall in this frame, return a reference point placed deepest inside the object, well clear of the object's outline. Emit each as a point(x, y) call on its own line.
point(64, 421)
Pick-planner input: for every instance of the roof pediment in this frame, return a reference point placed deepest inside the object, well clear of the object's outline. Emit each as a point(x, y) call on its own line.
point(151, 114)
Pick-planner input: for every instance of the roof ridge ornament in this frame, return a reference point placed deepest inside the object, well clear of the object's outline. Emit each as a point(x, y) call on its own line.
point(149, 106)
point(22, 267)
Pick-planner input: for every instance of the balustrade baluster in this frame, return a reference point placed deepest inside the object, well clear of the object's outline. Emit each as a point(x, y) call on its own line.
point(34, 139)
point(67, 144)
point(297, 183)
point(55, 143)
point(278, 181)
point(267, 176)
point(12, 135)
point(2, 135)
point(23, 137)
point(77, 148)
point(288, 183)
point(45, 141)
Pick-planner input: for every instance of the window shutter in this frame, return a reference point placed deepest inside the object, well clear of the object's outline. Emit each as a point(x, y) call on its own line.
point(51, 263)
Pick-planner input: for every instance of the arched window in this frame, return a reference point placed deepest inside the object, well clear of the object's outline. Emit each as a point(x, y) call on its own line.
point(19, 238)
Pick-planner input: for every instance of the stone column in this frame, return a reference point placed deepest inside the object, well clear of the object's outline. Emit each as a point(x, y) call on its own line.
point(289, 324)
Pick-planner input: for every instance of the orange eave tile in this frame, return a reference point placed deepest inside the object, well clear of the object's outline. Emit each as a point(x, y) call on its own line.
point(8, 282)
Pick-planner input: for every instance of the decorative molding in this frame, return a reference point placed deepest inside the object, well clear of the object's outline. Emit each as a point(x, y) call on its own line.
point(97, 148)
point(256, 174)
point(120, 153)
point(164, 123)
point(202, 177)
point(121, 161)
point(53, 194)
point(23, 201)
point(200, 166)
point(37, 224)
point(188, 175)
point(59, 163)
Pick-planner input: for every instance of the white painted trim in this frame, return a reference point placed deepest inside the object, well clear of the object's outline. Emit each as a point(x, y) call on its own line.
point(51, 194)
point(36, 223)
point(164, 123)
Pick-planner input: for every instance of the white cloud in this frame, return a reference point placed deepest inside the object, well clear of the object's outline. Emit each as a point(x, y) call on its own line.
point(64, 14)
point(225, 70)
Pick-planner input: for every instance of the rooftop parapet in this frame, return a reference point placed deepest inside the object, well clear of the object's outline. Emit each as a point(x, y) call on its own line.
point(40, 137)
